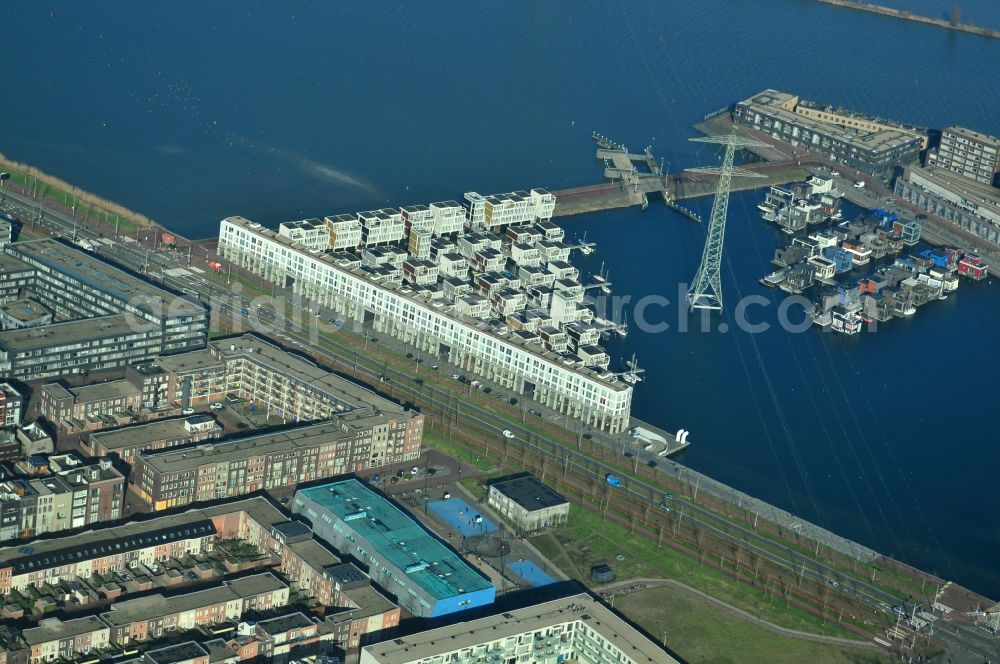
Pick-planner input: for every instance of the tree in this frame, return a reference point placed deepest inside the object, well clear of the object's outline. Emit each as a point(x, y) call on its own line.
point(956, 16)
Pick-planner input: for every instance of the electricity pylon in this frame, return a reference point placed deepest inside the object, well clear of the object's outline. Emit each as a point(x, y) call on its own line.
point(706, 289)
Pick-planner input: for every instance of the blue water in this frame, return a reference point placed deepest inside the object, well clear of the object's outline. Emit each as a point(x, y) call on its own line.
point(190, 112)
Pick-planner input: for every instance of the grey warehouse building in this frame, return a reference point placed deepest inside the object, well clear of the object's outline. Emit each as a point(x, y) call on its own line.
point(104, 317)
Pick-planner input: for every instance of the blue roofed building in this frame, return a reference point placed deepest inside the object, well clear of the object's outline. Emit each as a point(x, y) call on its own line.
point(428, 578)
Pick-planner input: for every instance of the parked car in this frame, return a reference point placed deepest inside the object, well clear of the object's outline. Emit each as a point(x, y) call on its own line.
point(217, 405)
point(507, 433)
point(188, 411)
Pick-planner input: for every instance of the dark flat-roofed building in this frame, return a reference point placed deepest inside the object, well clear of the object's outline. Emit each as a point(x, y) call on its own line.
point(861, 142)
point(105, 317)
point(527, 503)
point(188, 652)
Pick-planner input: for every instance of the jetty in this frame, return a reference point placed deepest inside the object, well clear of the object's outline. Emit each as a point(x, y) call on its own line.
point(954, 24)
point(632, 177)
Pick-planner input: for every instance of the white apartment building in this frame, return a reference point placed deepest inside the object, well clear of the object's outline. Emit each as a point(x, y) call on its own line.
point(312, 233)
point(517, 207)
point(596, 397)
point(344, 231)
point(572, 629)
point(381, 226)
point(449, 217)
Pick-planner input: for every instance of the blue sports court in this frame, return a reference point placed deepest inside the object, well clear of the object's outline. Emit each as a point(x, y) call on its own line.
point(463, 518)
point(531, 573)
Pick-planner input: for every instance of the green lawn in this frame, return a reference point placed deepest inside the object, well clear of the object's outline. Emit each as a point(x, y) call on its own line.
point(588, 540)
point(701, 633)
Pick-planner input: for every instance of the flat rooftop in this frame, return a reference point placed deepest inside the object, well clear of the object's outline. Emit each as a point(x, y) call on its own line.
point(529, 493)
point(104, 277)
point(137, 435)
point(272, 442)
point(262, 352)
point(972, 190)
point(10, 264)
point(53, 628)
point(579, 609)
point(397, 538)
point(24, 310)
point(314, 553)
point(155, 606)
point(196, 360)
point(57, 334)
point(284, 623)
point(781, 105)
point(43, 552)
point(112, 389)
point(180, 652)
point(972, 134)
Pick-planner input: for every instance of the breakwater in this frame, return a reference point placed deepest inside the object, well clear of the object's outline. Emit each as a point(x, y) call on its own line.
point(916, 18)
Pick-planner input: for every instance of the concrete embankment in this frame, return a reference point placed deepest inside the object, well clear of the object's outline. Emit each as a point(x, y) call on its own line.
point(916, 18)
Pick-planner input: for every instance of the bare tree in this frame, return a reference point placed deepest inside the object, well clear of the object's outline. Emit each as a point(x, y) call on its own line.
point(956, 16)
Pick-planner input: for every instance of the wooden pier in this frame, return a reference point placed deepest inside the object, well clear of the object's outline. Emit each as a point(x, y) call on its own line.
point(633, 177)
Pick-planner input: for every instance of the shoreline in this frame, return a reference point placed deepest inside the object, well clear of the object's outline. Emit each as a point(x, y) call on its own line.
point(93, 211)
point(904, 15)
